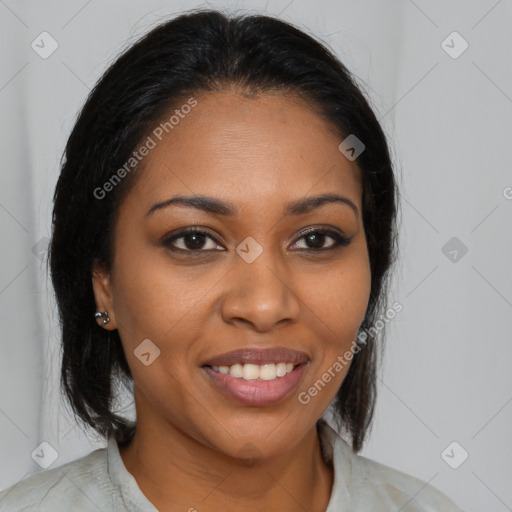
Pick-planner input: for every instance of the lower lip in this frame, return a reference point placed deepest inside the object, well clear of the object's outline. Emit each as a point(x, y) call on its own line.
point(257, 392)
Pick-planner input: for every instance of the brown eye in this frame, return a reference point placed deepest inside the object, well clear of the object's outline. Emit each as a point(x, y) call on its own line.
point(316, 239)
point(191, 240)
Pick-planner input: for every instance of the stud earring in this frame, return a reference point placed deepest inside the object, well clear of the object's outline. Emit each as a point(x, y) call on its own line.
point(104, 315)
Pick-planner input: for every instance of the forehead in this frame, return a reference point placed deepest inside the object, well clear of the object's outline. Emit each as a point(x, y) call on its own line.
point(269, 147)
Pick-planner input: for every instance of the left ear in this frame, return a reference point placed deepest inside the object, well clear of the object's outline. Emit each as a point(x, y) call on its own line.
point(103, 295)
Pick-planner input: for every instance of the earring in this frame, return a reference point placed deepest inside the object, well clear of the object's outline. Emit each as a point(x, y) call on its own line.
point(104, 315)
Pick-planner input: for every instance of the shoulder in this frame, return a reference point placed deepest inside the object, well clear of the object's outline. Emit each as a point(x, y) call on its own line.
point(81, 484)
point(375, 486)
point(395, 488)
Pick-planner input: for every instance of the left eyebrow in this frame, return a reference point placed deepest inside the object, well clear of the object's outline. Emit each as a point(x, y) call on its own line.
point(216, 206)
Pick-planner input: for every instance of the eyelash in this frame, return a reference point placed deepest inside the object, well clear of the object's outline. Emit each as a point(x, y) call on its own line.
point(339, 240)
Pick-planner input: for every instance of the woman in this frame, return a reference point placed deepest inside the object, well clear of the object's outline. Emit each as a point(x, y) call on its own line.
point(223, 234)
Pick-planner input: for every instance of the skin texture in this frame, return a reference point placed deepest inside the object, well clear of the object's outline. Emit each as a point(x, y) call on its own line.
point(258, 153)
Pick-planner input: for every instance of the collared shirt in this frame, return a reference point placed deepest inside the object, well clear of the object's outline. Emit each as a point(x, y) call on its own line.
point(100, 482)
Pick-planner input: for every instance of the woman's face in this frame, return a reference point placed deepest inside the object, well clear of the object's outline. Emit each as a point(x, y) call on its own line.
point(255, 280)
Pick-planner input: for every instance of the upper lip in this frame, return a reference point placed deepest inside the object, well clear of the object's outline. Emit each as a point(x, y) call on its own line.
point(258, 356)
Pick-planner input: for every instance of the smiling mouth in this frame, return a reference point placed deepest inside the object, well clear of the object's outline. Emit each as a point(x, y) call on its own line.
point(246, 386)
point(257, 377)
point(256, 372)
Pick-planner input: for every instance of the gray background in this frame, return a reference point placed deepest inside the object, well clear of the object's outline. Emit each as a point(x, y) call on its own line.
point(446, 375)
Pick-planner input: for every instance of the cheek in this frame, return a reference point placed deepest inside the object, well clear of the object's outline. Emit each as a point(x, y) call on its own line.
point(338, 298)
point(158, 299)
point(339, 303)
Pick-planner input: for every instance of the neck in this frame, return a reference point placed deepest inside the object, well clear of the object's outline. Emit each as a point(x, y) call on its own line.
point(177, 472)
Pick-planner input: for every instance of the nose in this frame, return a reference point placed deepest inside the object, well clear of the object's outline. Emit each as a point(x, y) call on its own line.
point(260, 295)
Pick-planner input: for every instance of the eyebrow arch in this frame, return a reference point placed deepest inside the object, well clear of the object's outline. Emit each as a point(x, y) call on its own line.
point(218, 207)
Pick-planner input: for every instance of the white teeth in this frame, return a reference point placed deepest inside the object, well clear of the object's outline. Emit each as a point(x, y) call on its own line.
point(250, 371)
point(281, 369)
point(235, 370)
point(269, 371)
